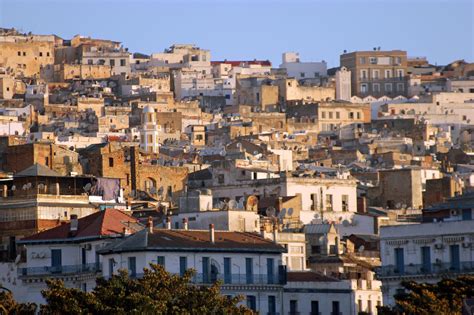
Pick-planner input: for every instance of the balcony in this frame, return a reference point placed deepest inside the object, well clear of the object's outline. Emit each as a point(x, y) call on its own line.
point(240, 279)
point(420, 270)
point(237, 279)
point(59, 270)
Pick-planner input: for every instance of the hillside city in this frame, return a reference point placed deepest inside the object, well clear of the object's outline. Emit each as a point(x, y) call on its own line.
point(303, 188)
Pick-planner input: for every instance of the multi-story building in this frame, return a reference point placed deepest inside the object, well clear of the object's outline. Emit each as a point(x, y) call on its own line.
point(247, 263)
point(302, 70)
point(377, 73)
point(69, 252)
point(424, 252)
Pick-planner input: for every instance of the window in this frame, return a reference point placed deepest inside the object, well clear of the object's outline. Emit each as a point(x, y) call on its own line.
point(400, 87)
point(24, 53)
point(111, 162)
point(271, 305)
point(249, 270)
point(364, 88)
point(400, 73)
point(257, 96)
point(41, 54)
point(252, 302)
point(132, 266)
point(293, 307)
point(345, 202)
point(56, 260)
point(359, 305)
point(270, 270)
point(363, 74)
point(316, 74)
point(373, 60)
point(90, 62)
point(362, 60)
point(330, 115)
point(160, 260)
point(351, 115)
point(338, 115)
point(220, 178)
point(302, 74)
point(399, 261)
point(376, 87)
point(388, 87)
point(19, 53)
point(455, 258)
point(323, 115)
point(227, 270)
point(205, 270)
point(335, 308)
point(388, 74)
point(122, 62)
point(314, 307)
point(112, 62)
point(47, 54)
point(183, 265)
point(329, 202)
point(375, 74)
point(46, 161)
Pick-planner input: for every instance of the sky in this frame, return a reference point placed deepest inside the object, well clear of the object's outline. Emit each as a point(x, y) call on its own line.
point(441, 30)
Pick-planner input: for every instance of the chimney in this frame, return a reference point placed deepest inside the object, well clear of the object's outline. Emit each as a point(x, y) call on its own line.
point(149, 225)
point(185, 223)
point(168, 223)
point(275, 231)
point(211, 233)
point(74, 223)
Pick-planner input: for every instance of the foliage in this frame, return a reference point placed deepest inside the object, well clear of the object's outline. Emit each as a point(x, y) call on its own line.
point(442, 298)
point(8, 305)
point(158, 292)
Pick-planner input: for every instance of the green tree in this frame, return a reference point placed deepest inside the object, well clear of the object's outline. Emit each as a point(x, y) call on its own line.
point(157, 292)
point(442, 298)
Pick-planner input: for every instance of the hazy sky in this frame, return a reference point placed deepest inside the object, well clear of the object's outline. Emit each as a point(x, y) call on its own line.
point(319, 30)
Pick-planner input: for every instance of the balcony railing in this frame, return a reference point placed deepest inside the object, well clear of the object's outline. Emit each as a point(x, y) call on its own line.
point(420, 269)
point(59, 270)
point(231, 279)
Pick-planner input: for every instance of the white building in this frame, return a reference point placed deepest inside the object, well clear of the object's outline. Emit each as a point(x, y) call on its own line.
point(302, 70)
point(149, 131)
point(314, 293)
point(343, 84)
point(69, 252)
point(424, 252)
point(247, 264)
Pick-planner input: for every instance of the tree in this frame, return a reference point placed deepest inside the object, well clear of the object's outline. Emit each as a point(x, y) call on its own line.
point(157, 292)
point(8, 305)
point(444, 297)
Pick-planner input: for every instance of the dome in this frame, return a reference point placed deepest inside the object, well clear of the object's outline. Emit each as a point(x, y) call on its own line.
point(148, 109)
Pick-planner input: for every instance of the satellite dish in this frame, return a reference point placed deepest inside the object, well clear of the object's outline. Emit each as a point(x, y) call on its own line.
point(233, 204)
point(25, 187)
point(361, 248)
point(270, 212)
point(398, 205)
point(290, 211)
point(282, 213)
point(87, 187)
point(41, 186)
point(13, 187)
point(252, 203)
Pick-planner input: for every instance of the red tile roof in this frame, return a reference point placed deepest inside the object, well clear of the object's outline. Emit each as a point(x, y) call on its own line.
point(236, 63)
point(102, 223)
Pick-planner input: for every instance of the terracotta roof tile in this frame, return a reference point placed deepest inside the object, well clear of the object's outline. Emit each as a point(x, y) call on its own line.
point(101, 223)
